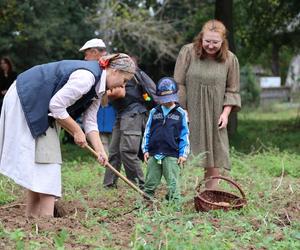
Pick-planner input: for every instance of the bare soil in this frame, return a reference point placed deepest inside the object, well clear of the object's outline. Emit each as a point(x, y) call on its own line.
point(75, 222)
point(110, 221)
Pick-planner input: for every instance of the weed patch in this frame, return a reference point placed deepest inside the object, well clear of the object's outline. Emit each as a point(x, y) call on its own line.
point(265, 162)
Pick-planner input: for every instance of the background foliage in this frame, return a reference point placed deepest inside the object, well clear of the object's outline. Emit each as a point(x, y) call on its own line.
point(34, 32)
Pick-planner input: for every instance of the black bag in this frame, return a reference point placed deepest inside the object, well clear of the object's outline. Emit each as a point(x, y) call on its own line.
point(148, 88)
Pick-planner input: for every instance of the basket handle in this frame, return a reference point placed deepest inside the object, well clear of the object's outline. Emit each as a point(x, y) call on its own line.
point(228, 180)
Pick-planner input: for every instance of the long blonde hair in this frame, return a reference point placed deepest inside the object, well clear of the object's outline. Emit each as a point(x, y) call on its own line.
point(215, 26)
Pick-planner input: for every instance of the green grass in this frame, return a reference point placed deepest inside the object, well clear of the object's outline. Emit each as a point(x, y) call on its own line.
point(275, 127)
point(265, 162)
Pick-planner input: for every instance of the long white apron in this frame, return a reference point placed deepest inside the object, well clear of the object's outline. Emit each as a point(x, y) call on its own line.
point(17, 151)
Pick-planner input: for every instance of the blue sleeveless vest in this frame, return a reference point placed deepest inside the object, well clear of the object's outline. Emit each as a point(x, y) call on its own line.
point(165, 132)
point(37, 85)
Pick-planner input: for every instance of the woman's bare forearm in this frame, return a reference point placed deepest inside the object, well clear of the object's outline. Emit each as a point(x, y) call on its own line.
point(70, 125)
point(94, 138)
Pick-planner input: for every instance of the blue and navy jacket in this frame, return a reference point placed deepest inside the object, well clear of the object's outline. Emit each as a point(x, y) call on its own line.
point(169, 135)
point(37, 85)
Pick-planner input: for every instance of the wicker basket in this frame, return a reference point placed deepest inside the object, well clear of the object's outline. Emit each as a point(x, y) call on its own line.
point(210, 199)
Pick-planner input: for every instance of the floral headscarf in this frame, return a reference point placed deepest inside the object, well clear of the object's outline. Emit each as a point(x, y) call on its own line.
point(118, 61)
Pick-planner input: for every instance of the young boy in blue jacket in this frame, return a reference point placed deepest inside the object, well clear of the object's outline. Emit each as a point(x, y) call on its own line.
point(166, 140)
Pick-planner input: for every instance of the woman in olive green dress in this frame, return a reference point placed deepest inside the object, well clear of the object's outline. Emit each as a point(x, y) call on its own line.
point(207, 74)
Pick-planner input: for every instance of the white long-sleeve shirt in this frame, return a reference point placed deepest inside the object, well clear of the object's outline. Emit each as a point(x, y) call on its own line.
point(79, 83)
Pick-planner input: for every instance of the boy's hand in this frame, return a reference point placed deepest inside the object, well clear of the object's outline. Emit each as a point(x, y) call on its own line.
point(146, 157)
point(181, 160)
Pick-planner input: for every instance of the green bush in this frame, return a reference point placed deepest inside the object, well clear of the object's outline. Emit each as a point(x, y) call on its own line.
point(250, 90)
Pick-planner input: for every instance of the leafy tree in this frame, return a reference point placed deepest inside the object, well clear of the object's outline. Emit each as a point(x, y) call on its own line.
point(34, 32)
point(267, 30)
point(137, 30)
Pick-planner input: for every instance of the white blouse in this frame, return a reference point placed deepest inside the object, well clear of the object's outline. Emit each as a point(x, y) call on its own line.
point(79, 83)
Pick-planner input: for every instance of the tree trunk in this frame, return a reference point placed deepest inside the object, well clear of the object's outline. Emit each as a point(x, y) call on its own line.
point(224, 13)
point(275, 60)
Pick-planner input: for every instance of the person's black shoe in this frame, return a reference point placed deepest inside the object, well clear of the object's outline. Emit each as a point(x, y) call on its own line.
point(111, 186)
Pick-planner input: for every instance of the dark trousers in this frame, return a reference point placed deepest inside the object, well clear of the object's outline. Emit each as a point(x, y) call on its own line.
point(124, 148)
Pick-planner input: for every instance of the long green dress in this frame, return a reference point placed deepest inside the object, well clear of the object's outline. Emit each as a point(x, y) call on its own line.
point(205, 86)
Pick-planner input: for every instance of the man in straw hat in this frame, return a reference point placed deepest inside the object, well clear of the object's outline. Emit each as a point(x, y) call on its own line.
point(94, 49)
